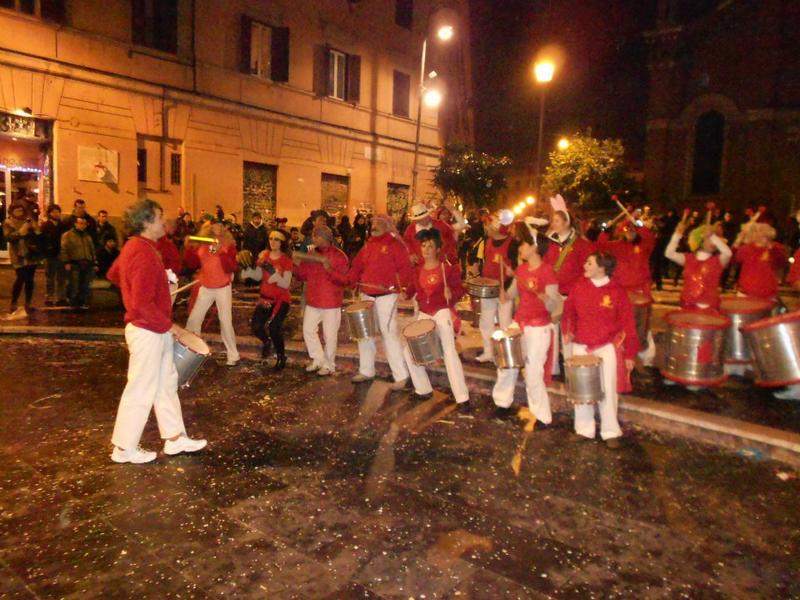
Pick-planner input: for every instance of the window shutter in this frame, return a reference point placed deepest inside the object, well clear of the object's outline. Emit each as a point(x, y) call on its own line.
point(244, 61)
point(53, 10)
point(400, 91)
point(280, 54)
point(353, 93)
point(321, 67)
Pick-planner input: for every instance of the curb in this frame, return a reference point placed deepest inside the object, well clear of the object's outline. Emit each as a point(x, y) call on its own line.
point(748, 439)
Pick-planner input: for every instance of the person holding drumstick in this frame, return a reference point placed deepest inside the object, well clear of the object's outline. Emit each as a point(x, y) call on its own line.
point(598, 320)
point(437, 287)
point(536, 285)
point(152, 377)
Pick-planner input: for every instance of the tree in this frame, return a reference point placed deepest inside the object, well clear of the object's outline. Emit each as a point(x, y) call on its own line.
point(474, 177)
point(589, 170)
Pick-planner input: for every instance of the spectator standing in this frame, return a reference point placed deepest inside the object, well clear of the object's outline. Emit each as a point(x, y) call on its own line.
point(79, 210)
point(106, 255)
point(358, 236)
point(255, 235)
point(185, 227)
point(79, 258)
point(21, 232)
point(105, 229)
point(52, 230)
point(345, 231)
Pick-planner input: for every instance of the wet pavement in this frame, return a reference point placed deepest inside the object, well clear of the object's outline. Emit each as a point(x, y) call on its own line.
point(342, 491)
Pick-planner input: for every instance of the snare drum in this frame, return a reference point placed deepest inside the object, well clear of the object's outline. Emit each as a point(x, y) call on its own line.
point(507, 344)
point(742, 311)
point(775, 345)
point(695, 347)
point(475, 305)
point(189, 352)
point(360, 318)
point(642, 310)
point(584, 379)
point(423, 341)
point(483, 287)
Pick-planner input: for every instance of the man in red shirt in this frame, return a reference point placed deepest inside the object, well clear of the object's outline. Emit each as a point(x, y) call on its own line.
point(152, 377)
point(421, 220)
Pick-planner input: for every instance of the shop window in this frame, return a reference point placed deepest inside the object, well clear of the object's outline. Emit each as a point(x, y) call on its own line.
point(141, 165)
point(175, 168)
point(708, 148)
point(155, 24)
point(337, 74)
point(404, 13)
point(400, 94)
point(265, 50)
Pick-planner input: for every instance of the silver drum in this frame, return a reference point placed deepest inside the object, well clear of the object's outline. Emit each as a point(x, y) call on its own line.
point(483, 287)
point(189, 352)
point(361, 322)
point(507, 346)
point(775, 345)
point(584, 379)
point(423, 342)
point(695, 348)
point(742, 311)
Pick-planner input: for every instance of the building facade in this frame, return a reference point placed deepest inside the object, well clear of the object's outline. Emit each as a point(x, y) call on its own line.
point(724, 108)
point(282, 106)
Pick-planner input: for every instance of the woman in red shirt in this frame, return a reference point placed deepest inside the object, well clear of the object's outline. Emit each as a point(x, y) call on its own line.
point(437, 287)
point(762, 260)
point(275, 299)
point(536, 285)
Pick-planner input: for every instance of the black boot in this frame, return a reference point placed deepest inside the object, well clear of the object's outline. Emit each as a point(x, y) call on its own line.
point(266, 350)
point(281, 362)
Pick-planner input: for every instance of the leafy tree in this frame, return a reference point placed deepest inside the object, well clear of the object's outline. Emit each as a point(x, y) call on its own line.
point(474, 177)
point(589, 170)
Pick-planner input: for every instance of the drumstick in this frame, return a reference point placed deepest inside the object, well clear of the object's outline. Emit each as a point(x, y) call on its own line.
point(625, 210)
point(307, 256)
point(186, 287)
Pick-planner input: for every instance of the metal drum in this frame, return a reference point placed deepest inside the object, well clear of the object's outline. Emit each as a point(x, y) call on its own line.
point(360, 318)
point(742, 311)
point(189, 353)
point(507, 346)
point(584, 379)
point(642, 310)
point(695, 348)
point(423, 341)
point(775, 346)
point(475, 305)
point(483, 287)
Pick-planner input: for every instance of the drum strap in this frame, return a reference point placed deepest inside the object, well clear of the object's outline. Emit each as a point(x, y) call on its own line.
point(565, 250)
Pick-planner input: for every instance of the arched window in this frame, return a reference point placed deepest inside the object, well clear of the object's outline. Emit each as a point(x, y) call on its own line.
point(708, 144)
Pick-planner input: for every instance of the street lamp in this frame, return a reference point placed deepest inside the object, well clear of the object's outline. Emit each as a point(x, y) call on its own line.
point(563, 144)
point(431, 98)
point(543, 71)
point(530, 200)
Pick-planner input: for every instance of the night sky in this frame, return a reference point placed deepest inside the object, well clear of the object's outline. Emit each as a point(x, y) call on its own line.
point(602, 83)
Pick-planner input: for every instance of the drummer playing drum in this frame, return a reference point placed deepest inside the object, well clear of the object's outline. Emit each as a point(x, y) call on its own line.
point(437, 287)
point(792, 392)
point(598, 320)
point(536, 285)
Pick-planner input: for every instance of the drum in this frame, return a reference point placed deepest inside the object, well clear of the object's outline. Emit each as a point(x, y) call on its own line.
point(742, 311)
point(361, 322)
point(423, 341)
point(695, 348)
point(775, 346)
point(584, 379)
point(507, 346)
point(475, 305)
point(483, 287)
point(189, 353)
point(642, 310)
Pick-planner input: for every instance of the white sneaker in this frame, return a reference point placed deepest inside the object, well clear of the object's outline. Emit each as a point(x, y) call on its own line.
point(137, 456)
point(360, 378)
point(791, 392)
point(183, 444)
point(325, 371)
point(484, 358)
point(312, 367)
point(20, 313)
point(399, 385)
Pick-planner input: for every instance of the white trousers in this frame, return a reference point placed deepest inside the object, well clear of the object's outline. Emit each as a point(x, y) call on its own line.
point(535, 347)
point(152, 383)
point(330, 318)
point(648, 355)
point(386, 313)
point(492, 309)
point(452, 363)
point(223, 299)
point(584, 413)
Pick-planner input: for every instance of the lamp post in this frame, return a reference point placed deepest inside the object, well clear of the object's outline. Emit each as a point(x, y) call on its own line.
point(543, 71)
point(432, 99)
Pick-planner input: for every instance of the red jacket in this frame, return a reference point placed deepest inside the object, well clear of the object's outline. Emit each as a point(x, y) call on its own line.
point(213, 267)
point(570, 271)
point(169, 254)
point(139, 274)
point(271, 292)
point(492, 257)
point(382, 262)
point(794, 270)
point(760, 267)
point(325, 289)
point(701, 281)
point(428, 287)
point(633, 260)
point(600, 315)
point(448, 240)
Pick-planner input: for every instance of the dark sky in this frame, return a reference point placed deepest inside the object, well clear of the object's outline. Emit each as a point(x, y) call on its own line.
point(602, 83)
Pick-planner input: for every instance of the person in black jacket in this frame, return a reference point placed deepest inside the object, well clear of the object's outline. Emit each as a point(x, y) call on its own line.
point(52, 230)
point(255, 235)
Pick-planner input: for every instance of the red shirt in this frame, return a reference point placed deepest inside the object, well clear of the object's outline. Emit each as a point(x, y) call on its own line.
point(701, 281)
point(570, 270)
point(272, 292)
point(448, 240)
point(169, 254)
point(139, 273)
point(530, 283)
point(215, 268)
point(758, 276)
point(325, 289)
point(428, 287)
point(382, 262)
point(633, 260)
point(597, 316)
point(794, 270)
point(493, 255)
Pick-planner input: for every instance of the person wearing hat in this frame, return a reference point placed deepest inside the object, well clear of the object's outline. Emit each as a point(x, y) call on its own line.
point(326, 281)
point(762, 260)
point(381, 269)
point(569, 252)
point(422, 219)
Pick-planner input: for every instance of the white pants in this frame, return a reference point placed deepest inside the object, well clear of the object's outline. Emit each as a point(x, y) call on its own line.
point(330, 318)
point(584, 413)
point(452, 363)
point(386, 313)
point(223, 299)
point(535, 347)
point(491, 309)
point(152, 383)
point(648, 355)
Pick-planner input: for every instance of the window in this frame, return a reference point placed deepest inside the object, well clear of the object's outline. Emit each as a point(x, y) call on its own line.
point(404, 13)
point(175, 168)
point(400, 94)
point(708, 147)
point(141, 165)
point(265, 50)
point(52, 10)
point(155, 24)
point(336, 74)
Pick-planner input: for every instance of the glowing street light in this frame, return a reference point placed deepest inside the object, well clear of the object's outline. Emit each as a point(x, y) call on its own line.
point(530, 200)
point(518, 209)
point(432, 98)
point(543, 71)
point(445, 33)
point(563, 144)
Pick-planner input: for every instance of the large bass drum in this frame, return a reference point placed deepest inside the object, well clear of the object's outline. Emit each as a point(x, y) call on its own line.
point(695, 346)
point(742, 311)
point(775, 346)
point(189, 352)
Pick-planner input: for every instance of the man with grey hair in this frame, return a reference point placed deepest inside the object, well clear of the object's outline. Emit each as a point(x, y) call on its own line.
point(152, 378)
